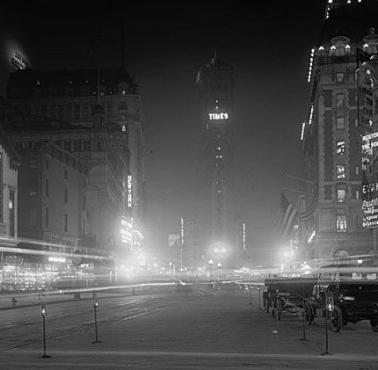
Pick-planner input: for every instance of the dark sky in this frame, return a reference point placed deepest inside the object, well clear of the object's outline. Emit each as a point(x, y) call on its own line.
point(267, 42)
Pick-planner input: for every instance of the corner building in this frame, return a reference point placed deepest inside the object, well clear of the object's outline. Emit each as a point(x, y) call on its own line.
point(331, 222)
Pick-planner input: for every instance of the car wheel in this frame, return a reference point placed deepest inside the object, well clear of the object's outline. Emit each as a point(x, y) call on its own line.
point(374, 324)
point(336, 319)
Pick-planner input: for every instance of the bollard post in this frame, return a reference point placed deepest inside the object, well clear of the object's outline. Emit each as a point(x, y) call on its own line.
point(326, 332)
point(95, 305)
point(258, 290)
point(250, 296)
point(43, 314)
point(303, 317)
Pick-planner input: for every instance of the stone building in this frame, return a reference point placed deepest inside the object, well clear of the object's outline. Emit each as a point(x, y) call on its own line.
point(331, 219)
point(9, 164)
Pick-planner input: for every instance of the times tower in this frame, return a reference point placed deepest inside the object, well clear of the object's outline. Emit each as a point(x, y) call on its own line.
point(215, 83)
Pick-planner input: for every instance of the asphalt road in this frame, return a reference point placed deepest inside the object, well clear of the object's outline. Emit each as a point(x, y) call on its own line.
point(196, 329)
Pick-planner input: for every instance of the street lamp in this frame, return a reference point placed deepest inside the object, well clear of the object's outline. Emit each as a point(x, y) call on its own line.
point(211, 262)
point(219, 268)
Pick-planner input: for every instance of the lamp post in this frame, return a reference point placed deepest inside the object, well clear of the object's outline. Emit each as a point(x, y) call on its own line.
point(219, 268)
point(43, 314)
point(211, 262)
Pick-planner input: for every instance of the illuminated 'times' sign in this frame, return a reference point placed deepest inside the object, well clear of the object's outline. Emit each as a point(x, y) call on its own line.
point(218, 116)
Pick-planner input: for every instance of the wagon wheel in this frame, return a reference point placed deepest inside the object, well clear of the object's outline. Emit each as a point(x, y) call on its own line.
point(336, 319)
point(278, 309)
point(309, 313)
point(374, 324)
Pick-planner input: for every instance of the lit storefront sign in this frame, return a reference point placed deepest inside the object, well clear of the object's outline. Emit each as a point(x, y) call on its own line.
point(129, 191)
point(218, 116)
point(18, 61)
point(369, 183)
point(126, 230)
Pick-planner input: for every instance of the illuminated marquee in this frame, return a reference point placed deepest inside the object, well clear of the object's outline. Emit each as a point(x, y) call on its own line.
point(18, 60)
point(218, 116)
point(369, 184)
point(129, 191)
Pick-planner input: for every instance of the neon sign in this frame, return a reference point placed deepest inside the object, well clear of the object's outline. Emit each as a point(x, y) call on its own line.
point(218, 116)
point(369, 184)
point(18, 60)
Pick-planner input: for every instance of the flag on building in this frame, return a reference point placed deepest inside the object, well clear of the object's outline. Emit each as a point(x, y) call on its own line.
point(287, 219)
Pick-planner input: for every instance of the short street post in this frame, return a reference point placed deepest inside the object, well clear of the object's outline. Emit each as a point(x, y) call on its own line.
point(95, 305)
point(43, 314)
point(258, 290)
point(219, 268)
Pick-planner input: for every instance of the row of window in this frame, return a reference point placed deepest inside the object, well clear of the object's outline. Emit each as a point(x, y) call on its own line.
point(341, 192)
point(71, 111)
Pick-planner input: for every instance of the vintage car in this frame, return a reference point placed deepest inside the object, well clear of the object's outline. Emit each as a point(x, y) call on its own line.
point(344, 302)
point(352, 301)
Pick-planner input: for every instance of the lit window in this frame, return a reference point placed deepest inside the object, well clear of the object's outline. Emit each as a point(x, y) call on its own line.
point(339, 77)
point(357, 194)
point(340, 171)
point(341, 194)
point(357, 170)
point(341, 223)
point(340, 147)
point(339, 100)
point(340, 123)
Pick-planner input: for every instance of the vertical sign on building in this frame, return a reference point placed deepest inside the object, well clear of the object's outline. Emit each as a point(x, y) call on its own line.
point(129, 191)
point(244, 232)
point(369, 183)
point(1, 187)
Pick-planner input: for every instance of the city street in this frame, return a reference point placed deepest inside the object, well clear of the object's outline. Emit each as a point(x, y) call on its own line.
point(198, 328)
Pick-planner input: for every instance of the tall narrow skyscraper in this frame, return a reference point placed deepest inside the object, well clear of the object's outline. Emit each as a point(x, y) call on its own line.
point(215, 83)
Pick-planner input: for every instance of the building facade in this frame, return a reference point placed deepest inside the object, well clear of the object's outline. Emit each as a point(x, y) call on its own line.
point(97, 117)
point(9, 164)
point(91, 98)
point(331, 220)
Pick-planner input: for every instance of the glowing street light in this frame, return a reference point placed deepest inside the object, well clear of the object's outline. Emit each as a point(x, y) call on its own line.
point(211, 262)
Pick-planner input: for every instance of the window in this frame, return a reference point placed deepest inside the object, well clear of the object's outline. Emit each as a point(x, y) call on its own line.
point(339, 77)
point(340, 171)
point(341, 223)
point(340, 147)
point(77, 146)
point(65, 195)
point(339, 100)
point(357, 194)
point(327, 192)
point(341, 193)
point(65, 222)
point(46, 217)
point(32, 217)
point(357, 170)
point(76, 112)
point(67, 145)
point(99, 146)
point(87, 145)
point(340, 123)
point(46, 187)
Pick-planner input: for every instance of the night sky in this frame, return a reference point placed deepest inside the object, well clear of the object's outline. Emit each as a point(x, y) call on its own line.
point(267, 42)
